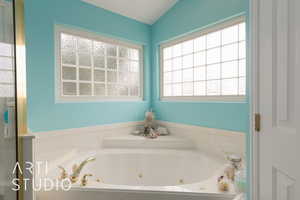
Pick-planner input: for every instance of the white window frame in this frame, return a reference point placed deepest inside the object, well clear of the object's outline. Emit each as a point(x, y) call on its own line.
point(59, 98)
point(219, 98)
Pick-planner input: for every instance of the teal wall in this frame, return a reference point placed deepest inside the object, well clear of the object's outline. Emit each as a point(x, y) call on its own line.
point(43, 113)
point(185, 17)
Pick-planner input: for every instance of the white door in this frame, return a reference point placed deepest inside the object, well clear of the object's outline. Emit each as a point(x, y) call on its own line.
point(279, 99)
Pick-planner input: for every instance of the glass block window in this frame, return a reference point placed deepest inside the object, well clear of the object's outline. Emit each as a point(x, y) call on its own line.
point(7, 75)
point(98, 67)
point(209, 63)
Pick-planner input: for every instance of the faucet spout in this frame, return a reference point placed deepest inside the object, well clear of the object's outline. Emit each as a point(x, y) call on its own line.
point(77, 169)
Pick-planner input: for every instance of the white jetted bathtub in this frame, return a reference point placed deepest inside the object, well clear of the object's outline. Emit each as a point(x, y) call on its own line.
point(144, 170)
point(133, 167)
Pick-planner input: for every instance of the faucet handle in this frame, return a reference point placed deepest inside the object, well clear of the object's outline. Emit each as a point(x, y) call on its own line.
point(84, 179)
point(63, 174)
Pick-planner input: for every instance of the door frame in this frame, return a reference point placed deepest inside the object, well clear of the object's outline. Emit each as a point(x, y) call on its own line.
point(254, 97)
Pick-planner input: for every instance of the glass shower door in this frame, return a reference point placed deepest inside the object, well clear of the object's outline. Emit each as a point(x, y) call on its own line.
point(8, 143)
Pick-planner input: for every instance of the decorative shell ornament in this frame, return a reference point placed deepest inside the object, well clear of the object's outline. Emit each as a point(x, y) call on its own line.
point(149, 129)
point(149, 119)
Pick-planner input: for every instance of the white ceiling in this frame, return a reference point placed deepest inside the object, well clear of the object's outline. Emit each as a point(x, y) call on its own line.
point(146, 11)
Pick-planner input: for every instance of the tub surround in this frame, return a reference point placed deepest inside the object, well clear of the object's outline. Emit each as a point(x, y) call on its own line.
point(116, 145)
point(140, 142)
point(215, 141)
point(104, 194)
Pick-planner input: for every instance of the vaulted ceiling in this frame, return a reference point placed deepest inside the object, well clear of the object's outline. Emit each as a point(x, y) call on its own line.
point(146, 11)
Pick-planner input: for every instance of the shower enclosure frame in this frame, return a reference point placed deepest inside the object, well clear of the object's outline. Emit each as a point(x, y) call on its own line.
point(20, 86)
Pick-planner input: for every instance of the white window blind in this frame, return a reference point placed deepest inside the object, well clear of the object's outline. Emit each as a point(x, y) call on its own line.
point(7, 75)
point(210, 64)
point(98, 68)
point(7, 69)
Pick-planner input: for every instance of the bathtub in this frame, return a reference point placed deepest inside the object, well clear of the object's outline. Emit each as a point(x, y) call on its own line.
point(143, 174)
point(183, 165)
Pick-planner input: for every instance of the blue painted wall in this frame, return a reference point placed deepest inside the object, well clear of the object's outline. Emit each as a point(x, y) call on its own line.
point(40, 18)
point(185, 17)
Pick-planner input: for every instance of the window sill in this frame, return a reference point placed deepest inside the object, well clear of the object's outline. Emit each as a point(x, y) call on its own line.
point(210, 99)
